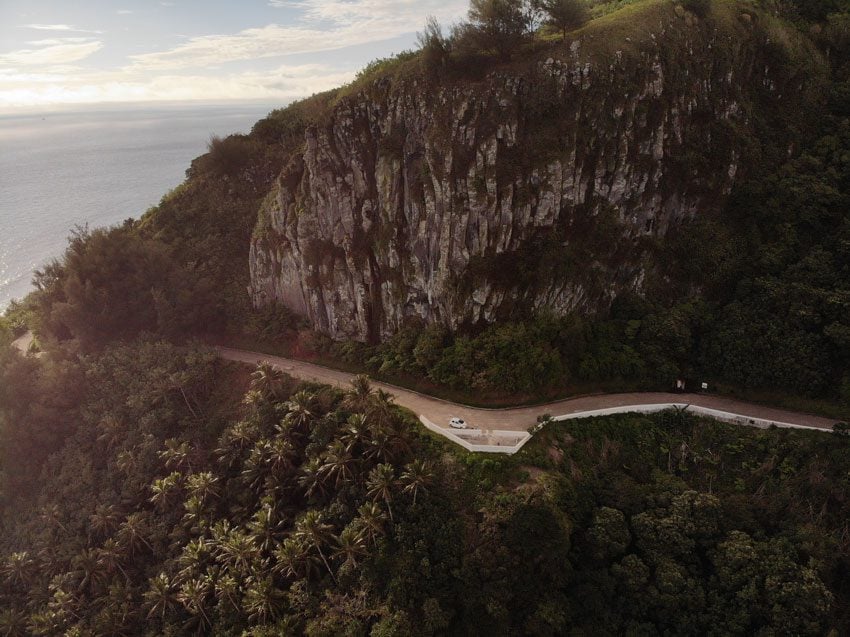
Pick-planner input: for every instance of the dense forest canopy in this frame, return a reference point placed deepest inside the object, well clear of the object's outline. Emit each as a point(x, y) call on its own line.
point(185, 495)
point(149, 488)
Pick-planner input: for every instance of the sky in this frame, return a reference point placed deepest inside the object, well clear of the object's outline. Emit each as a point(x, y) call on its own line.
point(56, 53)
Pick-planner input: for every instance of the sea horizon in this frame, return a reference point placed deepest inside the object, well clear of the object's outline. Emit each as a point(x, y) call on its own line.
point(95, 165)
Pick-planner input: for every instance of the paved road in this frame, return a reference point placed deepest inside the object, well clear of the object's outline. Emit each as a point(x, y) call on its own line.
point(520, 418)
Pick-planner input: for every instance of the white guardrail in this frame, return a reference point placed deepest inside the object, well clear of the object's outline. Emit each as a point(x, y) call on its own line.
point(521, 438)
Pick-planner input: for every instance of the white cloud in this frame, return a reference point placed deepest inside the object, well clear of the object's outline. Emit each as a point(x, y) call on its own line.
point(57, 27)
point(49, 27)
point(61, 53)
point(45, 72)
point(409, 14)
point(283, 84)
point(54, 41)
point(353, 23)
point(124, 12)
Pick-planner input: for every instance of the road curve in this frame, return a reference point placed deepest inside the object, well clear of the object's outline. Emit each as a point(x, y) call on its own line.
point(520, 418)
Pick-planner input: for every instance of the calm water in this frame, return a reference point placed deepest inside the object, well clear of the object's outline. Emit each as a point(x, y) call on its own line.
point(95, 168)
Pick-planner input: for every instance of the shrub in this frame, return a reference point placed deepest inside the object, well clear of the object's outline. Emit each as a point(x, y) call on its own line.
point(699, 7)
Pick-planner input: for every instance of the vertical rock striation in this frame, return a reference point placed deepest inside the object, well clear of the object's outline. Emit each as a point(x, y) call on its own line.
point(537, 186)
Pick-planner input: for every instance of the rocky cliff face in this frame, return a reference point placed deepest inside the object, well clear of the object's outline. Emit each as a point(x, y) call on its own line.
point(537, 186)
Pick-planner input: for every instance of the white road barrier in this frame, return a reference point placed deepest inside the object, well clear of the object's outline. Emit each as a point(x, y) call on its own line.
point(512, 441)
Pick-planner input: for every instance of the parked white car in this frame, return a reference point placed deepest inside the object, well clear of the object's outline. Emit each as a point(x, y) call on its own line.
point(458, 423)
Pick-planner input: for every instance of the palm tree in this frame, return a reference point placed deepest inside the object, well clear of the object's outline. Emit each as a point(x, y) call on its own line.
point(299, 407)
point(370, 518)
point(338, 465)
point(237, 551)
point(262, 599)
point(268, 380)
point(380, 485)
point(292, 559)
point(126, 462)
point(417, 476)
point(195, 517)
point(312, 478)
point(264, 525)
point(202, 485)
point(103, 521)
point(160, 596)
point(350, 546)
point(356, 433)
point(256, 466)
point(194, 594)
point(316, 533)
point(227, 590)
point(359, 396)
point(193, 558)
point(111, 432)
point(176, 454)
point(52, 516)
point(88, 570)
point(110, 557)
point(387, 444)
point(380, 408)
point(131, 532)
point(280, 455)
point(13, 622)
point(235, 441)
point(164, 490)
point(17, 569)
point(63, 607)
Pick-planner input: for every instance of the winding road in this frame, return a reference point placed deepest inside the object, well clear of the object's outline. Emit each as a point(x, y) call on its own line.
point(521, 418)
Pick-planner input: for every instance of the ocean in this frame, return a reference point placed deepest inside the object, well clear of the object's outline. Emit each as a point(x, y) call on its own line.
point(95, 168)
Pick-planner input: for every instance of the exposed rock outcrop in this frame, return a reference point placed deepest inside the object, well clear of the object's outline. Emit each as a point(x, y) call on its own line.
point(535, 187)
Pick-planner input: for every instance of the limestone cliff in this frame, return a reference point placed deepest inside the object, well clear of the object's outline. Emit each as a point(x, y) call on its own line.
point(539, 184)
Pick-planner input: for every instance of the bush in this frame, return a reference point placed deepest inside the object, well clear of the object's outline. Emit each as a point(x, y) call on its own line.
point(699, 7)
point(564, 15)
point(499, 26)
point(226, 156)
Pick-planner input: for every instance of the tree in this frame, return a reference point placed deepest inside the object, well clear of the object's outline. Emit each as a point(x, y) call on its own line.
point(160, 597)
point(131, 533)
point(293, 559)
point(268, 380)
point(88, 570)
point(359, 397)
point(237, 551)
point(350, 546)
point(300, 413)
point(262, 599)
point(564, 15)
point(356, 433)
point(371, 519)
point(380, 485)
point(110, 556)
point(338, 465)
point(313, 530)
point(18, 568)
point(312, 478)
point(194, 595)
point(417, 476)
point(499, 25)
point(435, 46)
